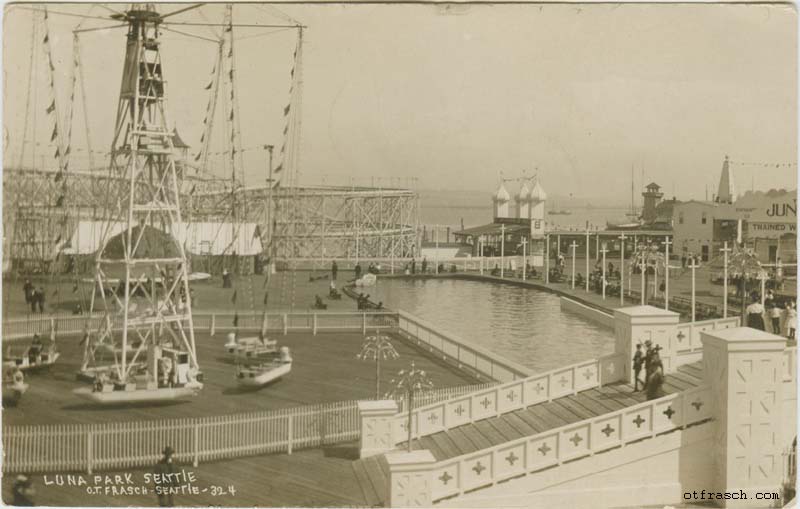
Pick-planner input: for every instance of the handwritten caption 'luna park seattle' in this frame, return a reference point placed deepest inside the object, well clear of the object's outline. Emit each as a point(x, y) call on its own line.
point(182, 482)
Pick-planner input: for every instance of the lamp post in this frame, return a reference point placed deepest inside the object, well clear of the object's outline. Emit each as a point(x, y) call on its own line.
point(524, 258)
point(666, 272)
point(480, 252)
point(502, 250)
point(622, 269)
point(547, 259)
point(587, 259)
point(693, 266)
point(763, 276)
point(725, 251)
point(574, 246)
point(436, 241)
point(377, 348)
point(642, 269)
point(604, 251)
point(408, 383)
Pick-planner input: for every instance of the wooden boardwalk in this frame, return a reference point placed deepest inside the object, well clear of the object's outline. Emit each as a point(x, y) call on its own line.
point(530, 421)
point(325, 370)
point(312, 478)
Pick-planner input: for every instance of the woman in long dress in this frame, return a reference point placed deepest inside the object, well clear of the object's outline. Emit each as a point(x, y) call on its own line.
point(791, 320)
point(755, 315)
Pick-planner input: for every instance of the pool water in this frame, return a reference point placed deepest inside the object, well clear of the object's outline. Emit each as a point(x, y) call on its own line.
point(521, 324)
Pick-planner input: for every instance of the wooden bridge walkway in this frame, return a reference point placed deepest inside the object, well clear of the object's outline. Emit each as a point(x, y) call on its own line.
point(525, 422)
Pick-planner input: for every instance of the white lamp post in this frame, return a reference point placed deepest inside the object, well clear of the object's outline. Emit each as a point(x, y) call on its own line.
point(574, 246)
point(547, 259)
point(763, 276)
point(666, 272)
point(502, 249)
point(524, 258)
point(725, 251)
point(642, 268)
point(622, 269)
point(693, 266)
point(587, 260)
point(604, 251)
point(436, 240)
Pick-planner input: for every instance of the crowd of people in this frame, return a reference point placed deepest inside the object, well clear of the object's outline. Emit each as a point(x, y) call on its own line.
point(772, 316)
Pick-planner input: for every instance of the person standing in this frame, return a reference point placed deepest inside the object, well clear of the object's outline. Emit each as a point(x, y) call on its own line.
point(164, 478)
point(755, 314)
point(775, 313)
point(638, 360)
point(648, 362)
point(357, 270)
point(28, 289)
point(791, 320)
point(40, 296)
point(656, 380)
point(424, 265)
point(34, 299)
point(334, 270)
point(413, 265)
point(683, 261)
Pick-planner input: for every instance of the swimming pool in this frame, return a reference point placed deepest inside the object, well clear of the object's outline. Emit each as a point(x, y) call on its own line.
point(522, 324)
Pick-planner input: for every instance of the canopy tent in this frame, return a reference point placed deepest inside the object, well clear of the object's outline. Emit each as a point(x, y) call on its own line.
point(199, 238)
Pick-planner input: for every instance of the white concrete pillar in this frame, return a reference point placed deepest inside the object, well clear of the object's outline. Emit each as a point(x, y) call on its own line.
point(410, 483)
point(637, 324)
point(376, 427)
point(743, 368)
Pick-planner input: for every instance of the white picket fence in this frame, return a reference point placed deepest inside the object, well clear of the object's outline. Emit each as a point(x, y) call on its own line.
point(553, 447)
point(88, 447)
point(324, 321)
point(508, 397)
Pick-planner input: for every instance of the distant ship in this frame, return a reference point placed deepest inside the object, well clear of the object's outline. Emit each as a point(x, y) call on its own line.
point(560, 213)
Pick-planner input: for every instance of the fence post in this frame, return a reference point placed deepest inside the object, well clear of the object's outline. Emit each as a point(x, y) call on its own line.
point(364, 324)
point(213, 323)
point(52, 329)
point(89, 451)
point(285, 324)
point(314, 329)
point(196, 445)
point(291, 433)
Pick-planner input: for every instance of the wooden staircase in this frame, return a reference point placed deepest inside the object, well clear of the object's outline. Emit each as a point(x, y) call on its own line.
point(373, 475)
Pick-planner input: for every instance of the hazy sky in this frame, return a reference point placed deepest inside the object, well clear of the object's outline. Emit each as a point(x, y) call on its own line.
point(456, 95)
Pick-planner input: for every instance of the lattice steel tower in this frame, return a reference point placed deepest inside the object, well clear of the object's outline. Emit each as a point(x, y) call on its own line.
point(148, 247)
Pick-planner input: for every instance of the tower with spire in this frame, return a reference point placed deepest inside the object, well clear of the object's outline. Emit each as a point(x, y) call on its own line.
point(537, 201)
point(523, 202)
point(500, 200)
point(726, 192)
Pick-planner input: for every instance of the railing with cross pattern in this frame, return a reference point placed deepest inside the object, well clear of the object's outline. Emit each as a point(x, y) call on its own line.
point(457, 475)
point(687, 336)
point(509, 397)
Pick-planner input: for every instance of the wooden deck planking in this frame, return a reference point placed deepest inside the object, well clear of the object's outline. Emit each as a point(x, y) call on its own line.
point(544, 416)
point(318, 477)
point(325, 370)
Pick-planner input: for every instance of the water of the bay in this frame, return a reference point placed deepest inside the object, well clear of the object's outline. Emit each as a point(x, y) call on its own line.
point(521, 324)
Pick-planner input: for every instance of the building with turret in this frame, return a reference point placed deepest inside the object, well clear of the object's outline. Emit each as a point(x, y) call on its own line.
point(523, 229)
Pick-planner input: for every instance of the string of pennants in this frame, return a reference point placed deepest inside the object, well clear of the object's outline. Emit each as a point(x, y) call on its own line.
point(277, 171)
point(763, 164)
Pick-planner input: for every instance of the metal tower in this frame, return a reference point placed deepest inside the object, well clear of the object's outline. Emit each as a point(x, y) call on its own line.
point(149, 249)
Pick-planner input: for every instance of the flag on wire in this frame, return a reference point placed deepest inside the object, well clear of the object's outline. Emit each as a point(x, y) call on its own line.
point(75, 288)
point(52, 107)
point(69, 149)
point(55, 133)
point(230, 74)
point(229, 28)
point(208, 87)
point(197, 157)
point(286, 130)
point(231, 116)
point(278, 169)
point(58, 153)
point(58, 176)
point(286, 109)
point(46, 38)
point(292, 73)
